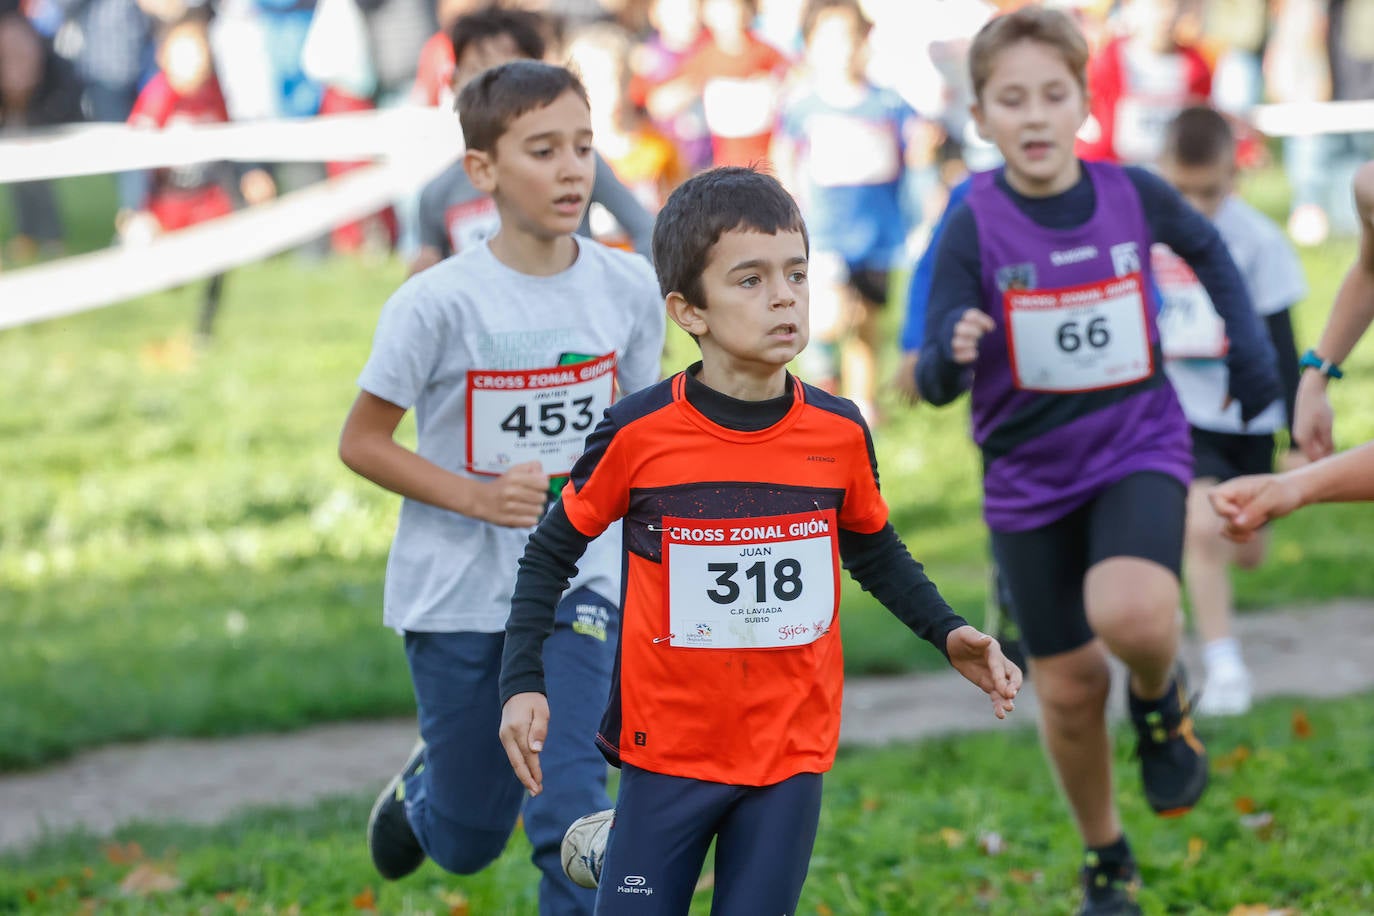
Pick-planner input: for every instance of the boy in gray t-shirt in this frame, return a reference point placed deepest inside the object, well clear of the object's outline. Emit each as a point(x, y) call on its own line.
point(509, 353)
point(455, 215)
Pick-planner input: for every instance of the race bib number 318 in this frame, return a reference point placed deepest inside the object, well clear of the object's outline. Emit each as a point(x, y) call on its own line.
point(758, 583)
point(541, 415)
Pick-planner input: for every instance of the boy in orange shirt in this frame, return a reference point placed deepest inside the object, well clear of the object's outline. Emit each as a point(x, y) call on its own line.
point(743, 490)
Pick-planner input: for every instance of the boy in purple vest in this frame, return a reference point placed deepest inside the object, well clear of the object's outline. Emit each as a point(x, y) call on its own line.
point(1041, 305)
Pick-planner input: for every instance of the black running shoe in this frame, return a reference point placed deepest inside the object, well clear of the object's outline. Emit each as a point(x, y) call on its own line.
point(395, 850)
point(1173, 762)
point(1109, 890)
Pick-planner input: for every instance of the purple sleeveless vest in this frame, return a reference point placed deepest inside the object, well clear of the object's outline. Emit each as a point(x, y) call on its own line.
point(1064, 464)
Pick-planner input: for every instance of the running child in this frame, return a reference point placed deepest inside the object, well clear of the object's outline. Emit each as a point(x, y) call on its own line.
point(743, 490)
point(454, 214)
point(1040, 305)
point(843, 147)
point(1200, 162)
point(508, 353)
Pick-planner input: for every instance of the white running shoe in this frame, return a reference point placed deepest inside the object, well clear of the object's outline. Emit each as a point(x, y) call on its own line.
point(1228, 691)
point(584, 847)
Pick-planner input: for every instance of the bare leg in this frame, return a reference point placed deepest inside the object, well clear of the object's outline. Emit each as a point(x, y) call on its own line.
point(1073, 687)
point(1132, 605)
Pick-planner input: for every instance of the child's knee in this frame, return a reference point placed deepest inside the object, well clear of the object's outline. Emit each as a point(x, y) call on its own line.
point(466, 850)
point(1065, 690)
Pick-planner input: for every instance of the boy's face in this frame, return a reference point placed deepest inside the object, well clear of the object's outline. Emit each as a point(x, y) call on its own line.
point(1203, 186)
point(1031, 107)
point(834, 47)
point(542, 168)
point(483, 55)
point(756, 317)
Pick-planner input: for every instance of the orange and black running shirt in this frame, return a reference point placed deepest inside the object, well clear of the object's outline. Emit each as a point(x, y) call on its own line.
point(729, 667)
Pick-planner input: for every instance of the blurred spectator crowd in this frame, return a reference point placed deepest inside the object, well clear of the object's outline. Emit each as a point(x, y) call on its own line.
point(835, 95)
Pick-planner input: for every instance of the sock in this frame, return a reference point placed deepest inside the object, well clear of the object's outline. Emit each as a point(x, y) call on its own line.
point(1222, 653)
point(1114, 856)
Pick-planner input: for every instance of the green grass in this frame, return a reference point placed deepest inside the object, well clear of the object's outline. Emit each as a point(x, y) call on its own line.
point(181, 552)
point(903, 831)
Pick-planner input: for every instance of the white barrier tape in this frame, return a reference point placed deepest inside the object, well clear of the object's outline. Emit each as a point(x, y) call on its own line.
point(84, 282)
point(1296, 119)
point(93, 149)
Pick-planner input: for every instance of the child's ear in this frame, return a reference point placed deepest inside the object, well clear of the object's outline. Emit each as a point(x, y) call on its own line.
point(976, 110)
point(480, 169)
point(686, 315)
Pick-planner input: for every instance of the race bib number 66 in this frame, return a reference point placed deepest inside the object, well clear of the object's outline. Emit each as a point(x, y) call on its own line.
point(757, 583)
point(541, 415)
point(1080, 338)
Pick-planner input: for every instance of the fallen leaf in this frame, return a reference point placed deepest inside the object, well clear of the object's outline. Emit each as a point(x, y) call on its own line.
point(147, 879)
point(127, 854)
point(1231, 760)
point(823, 910)
point(456, 901)
point(31, 895)
point(988, 892)
point(991, 843)
point(951, 837)
point(1245, 804)
point(1196, 847)
point(1259, 909)
point(1302, 726)
point(870, 804)
point(1023, 876)
point(88, 873)
point(366, 900)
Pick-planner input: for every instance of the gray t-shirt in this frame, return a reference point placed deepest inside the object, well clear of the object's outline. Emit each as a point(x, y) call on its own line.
point(455, 216)
point(448, 345)
point(1273, 277)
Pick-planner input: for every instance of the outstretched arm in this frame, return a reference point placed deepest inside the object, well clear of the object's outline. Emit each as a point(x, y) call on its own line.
point(1246, 503)
point(549, 563)
point(1350, 316)
point(881, 564)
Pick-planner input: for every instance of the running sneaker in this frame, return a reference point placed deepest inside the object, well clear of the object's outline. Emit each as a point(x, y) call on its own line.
point(1228, 691)
point(1109, 890)
point(1173, 762)
point(584, 847)
point(395, 850)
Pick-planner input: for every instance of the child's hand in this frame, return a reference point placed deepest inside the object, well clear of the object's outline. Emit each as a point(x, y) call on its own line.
point(972, 325)
point(524, 726)
point(978, 657)
point(516, 498)
point(905, 379)
point(1246, 503)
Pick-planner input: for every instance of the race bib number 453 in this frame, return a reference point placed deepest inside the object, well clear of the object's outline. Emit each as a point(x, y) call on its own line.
point(758, 583)
point(541, 415)
point(1080, 338)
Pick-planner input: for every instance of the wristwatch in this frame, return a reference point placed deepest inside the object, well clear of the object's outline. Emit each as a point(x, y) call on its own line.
point(1310, 360)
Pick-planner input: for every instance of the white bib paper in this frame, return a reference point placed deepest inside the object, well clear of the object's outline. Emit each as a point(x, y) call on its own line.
point(541, 415)
point(758, 583)
point(1189, 326)
point(1081, 338)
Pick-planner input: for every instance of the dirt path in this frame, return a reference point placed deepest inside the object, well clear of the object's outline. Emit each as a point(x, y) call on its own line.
point(1322, 652)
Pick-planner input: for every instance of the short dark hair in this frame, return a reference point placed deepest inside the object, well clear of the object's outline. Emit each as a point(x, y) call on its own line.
point(708, 205)
point(523, 27)
point(814, 8)
point(496, 97)
point(1199, 136)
